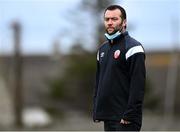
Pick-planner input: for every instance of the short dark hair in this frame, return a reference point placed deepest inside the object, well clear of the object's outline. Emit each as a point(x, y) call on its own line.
point(113, 7)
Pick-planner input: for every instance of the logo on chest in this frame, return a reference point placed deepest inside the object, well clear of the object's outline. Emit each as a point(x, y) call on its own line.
point(102, 54)
point(117, 54)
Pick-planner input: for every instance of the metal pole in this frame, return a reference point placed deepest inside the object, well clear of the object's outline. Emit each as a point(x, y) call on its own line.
point(18, 75)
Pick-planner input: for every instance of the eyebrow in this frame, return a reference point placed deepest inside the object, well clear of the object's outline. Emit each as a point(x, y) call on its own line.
point(110, 17)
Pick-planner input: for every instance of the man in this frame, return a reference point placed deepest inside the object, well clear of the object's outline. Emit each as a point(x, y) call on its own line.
point(120, 77)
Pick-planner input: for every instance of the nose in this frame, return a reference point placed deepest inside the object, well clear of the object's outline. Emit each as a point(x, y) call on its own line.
point(110, 22)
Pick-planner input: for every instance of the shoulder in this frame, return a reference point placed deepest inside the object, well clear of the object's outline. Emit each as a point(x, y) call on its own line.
point(131, 42)
point(103, 45)
point(133, 46)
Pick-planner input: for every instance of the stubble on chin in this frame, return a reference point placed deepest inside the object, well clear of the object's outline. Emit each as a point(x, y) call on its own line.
point(111, 32)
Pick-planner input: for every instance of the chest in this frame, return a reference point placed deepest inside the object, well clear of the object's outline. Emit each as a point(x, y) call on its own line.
point(113, 56)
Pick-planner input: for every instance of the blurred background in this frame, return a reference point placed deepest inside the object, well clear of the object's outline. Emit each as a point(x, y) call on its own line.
point(48, 62)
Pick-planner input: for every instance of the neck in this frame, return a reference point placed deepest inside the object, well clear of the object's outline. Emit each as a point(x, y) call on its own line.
point(123, 30)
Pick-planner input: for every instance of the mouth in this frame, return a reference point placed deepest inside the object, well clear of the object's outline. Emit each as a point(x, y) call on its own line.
point(110, 28)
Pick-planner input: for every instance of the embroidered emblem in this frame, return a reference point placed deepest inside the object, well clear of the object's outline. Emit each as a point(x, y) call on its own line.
point(102, 54)
point(117, 54)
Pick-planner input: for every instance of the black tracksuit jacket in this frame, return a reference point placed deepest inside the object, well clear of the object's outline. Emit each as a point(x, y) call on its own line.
point(120, 80)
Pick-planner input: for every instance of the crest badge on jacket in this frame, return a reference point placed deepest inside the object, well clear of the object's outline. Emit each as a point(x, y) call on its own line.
point(117, 54)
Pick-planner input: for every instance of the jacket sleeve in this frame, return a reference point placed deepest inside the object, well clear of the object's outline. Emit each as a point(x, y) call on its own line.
point(137, 72)
point(96, 81)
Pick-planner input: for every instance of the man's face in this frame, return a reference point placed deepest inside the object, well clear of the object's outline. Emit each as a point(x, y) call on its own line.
point(112, 21)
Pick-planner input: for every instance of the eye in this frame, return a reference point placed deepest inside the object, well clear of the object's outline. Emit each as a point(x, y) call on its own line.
point(106, 19)
point(114, 19)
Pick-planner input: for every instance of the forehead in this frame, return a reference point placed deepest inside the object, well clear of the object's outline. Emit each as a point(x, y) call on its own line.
point(112, 13)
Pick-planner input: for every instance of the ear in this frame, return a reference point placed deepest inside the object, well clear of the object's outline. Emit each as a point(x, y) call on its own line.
point(124, 23)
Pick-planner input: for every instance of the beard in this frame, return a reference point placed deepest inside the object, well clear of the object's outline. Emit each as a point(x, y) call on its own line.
point(110, 33)
point(117, 28)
